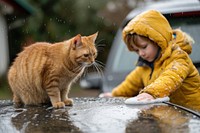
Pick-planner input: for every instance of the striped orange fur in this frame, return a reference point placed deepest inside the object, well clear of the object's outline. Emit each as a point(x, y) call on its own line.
point(44, 72)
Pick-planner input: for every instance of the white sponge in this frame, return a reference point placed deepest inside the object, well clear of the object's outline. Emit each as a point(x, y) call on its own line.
point(134, 100)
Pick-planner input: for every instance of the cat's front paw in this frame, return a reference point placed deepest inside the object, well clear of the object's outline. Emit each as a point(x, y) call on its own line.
point(68, 102)
point(58, 105)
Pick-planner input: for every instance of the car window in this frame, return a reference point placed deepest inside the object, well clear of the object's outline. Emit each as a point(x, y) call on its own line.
point(124, 59)
point(192, 27)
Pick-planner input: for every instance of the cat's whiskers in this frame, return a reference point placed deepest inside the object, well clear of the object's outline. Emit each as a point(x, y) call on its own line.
point(85, 72)
point(99, 42)
point(85, 64)
point(77, 69)
point(100, 63)
point(100, 46)
point(99, 67)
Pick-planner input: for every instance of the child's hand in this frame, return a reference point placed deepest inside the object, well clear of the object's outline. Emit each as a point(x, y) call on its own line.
point(107, 94)
point(144, 96)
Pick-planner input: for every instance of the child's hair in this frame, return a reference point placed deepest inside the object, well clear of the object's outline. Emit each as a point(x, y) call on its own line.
point(132, 39)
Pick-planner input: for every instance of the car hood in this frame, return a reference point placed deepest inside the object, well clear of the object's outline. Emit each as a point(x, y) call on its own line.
point(97, 115)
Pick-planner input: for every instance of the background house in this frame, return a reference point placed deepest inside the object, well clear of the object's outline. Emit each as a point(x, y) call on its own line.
point(11, 14)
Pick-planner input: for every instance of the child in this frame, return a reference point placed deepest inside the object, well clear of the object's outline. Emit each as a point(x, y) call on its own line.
point(164, 67)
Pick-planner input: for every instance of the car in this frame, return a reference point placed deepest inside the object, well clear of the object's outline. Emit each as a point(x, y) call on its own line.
point(108, 115)
point(184, 14)
point(98, 115)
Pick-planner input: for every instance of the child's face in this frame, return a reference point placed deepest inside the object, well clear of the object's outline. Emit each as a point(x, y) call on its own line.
point(146, 49)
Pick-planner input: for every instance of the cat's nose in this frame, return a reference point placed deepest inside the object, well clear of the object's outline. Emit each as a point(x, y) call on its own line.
point(92, 62)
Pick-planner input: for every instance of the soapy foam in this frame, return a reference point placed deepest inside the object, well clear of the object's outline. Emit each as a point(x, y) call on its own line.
point(134, 100)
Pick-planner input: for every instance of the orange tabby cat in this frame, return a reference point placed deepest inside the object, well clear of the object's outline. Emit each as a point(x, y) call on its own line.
point(44, 72)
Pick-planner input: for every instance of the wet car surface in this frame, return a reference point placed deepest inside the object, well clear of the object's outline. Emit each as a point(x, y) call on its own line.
point(103, 115)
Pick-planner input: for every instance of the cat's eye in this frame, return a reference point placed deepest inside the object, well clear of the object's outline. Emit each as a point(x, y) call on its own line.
point(86, 55)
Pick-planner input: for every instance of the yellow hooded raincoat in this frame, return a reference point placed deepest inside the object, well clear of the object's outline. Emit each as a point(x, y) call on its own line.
point(173, 72)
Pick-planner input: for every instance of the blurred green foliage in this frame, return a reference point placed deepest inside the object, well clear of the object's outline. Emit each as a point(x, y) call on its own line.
point(62, 19)
point(5, 92)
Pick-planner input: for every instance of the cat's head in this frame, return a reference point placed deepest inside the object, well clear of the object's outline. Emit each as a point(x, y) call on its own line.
point(83, 49)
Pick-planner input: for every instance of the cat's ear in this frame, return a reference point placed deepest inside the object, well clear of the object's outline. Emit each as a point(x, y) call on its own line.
point(77, 41)
point(93, 37)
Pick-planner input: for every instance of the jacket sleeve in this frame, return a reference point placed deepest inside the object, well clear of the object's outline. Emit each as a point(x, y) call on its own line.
point(131, 85)
point(171, 78)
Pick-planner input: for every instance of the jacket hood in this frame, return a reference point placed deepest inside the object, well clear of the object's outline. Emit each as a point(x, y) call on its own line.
point(151, 24)
point(184, 40)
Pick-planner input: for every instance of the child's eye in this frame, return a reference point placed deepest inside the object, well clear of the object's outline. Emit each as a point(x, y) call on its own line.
point(144, 47)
